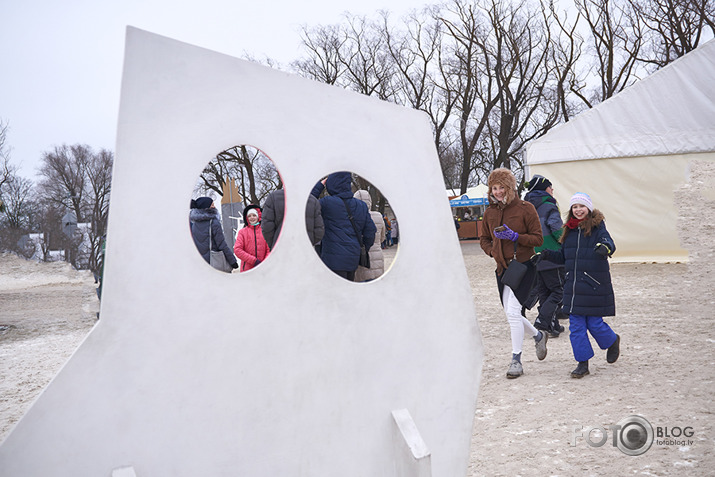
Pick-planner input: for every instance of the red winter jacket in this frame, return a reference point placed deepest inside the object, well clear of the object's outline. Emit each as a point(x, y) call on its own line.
point(250, 245)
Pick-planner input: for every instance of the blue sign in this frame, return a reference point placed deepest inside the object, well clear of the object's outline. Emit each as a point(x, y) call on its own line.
point(464, 201)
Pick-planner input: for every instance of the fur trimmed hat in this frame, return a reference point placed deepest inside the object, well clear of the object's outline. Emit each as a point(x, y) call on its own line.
point(581, 198)
point(505, 178)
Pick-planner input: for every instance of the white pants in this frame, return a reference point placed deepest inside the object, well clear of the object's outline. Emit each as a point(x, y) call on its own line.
point(517, 323)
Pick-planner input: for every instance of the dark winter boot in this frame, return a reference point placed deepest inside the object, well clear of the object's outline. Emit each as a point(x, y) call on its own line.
point(554, 330)
point(614, 350)
point(581, 370)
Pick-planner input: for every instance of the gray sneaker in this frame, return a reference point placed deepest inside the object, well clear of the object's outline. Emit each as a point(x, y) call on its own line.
point(541, 346)
point(515, 370)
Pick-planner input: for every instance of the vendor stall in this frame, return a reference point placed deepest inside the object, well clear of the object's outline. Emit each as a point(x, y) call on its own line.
point(468, 212)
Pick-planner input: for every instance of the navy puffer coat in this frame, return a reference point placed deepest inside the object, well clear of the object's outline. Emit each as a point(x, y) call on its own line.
point(340, 249)
point(588, 290)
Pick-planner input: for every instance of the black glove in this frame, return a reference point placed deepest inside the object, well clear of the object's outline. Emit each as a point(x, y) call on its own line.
point(234, 265)
point(602, 249)
point(536, 258)
point(258, 262)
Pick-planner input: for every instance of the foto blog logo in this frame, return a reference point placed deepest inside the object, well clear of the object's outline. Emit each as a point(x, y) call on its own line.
point(632, 435)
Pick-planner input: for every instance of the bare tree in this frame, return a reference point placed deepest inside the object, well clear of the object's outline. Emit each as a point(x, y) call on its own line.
point(17, 208)
point(63, 177)
point(76, 179)
point(18, 204)
point(49, 224)
point(99, 179)
point(324, 45)
point(616, 40)
point(6, 169)
point(450, 162)
point(528, 104)
point(469, 79)
point(16, 215)
point(254, 173)
point(412, 51)
point(416, 53)
point(675, 27)
point(566, 55)
point(490, 76)
point(369, 69)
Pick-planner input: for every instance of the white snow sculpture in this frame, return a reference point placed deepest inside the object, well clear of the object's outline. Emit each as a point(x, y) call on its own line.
point(286, 370)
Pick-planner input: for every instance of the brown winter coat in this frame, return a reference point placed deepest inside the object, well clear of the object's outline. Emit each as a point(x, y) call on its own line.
point(518, 215)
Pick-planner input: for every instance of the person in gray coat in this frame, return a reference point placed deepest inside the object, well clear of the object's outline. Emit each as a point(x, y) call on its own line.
point(377, 260)
point(272, 220)
point(204, 215)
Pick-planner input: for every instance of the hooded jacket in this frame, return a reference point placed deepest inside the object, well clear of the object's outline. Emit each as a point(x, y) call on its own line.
point(588, 289)
point(200, 220)
point(377, 259)
point(250, 244)
point(551, 224)
point(340, 248)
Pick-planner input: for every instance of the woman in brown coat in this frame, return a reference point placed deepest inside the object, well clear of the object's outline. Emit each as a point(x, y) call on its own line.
point(521, 233)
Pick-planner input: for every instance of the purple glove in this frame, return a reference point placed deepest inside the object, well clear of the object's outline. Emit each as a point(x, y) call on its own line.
point(506, 234)
point(258, 262)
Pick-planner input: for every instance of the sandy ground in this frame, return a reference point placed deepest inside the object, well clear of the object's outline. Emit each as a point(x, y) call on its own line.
point(46, 310)
point(523, 426)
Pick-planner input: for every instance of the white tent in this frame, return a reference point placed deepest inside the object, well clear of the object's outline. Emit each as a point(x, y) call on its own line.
point(631, 152)
point(476, 192)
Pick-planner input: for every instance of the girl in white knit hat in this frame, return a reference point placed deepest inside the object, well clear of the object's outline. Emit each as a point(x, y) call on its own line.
point(588, 293)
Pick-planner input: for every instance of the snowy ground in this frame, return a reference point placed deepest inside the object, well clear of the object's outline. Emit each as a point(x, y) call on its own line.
point(523, 426)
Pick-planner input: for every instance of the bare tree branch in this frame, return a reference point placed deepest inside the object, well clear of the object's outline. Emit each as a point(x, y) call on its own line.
point(674, 27)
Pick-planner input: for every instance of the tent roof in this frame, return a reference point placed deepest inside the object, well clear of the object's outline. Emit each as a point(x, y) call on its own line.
point(671, 111)
point(477, 192)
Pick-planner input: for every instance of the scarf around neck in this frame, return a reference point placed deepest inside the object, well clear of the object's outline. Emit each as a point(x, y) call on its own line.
point(573, 223)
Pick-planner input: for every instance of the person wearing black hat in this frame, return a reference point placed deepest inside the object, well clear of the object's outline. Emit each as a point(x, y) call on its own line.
point(251, 247)
point(207, 232)
point(549, 275)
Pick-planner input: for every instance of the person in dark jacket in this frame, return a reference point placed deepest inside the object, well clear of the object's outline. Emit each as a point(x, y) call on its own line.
point(272, 220)
point(588, 292)
point(510, 231)
point(340, 248)
point(202, 217)
point(549, 275)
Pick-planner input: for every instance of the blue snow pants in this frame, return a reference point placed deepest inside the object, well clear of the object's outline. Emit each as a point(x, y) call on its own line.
point(599, 329)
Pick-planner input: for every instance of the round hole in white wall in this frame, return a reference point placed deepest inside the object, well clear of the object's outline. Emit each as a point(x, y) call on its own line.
point(226, 216)
point(341, 195)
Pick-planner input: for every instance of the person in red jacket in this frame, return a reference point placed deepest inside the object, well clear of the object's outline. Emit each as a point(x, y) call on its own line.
point(250, 247)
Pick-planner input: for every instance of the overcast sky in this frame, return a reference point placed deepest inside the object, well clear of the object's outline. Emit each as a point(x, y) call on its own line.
point(61, 60)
